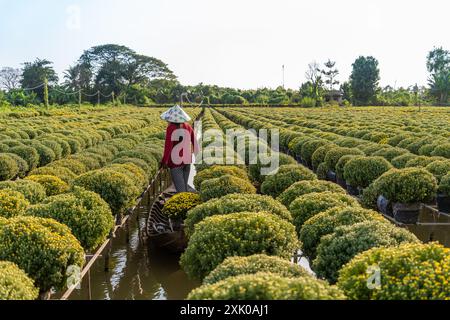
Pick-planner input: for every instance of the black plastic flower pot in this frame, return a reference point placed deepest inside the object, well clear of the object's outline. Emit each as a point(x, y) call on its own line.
point(341, 182)
point(385, 206)
point(443, 202)
point(331, 176)
point(406, 213)
point(352, 190)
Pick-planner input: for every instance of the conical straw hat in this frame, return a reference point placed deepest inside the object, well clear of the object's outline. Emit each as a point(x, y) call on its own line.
point(176, 115)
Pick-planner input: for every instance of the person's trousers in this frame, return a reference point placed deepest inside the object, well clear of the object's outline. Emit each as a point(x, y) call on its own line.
point(180, 177)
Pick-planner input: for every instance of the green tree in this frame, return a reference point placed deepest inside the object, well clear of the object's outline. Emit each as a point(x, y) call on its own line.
point(346, 91)
point(314, 77)
point(364, 80)
point(330, 73)
point(438, 64)
point(115, 68)
point(35, 73)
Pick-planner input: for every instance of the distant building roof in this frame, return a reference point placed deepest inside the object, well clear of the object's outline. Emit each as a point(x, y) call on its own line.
point(334, 93)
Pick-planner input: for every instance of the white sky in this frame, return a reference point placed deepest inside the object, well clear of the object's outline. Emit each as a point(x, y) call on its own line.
point(233, 43)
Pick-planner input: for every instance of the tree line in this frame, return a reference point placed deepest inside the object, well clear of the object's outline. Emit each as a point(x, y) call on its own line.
point(117, 74)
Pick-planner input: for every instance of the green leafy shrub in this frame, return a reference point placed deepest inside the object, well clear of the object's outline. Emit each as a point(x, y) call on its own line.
point(138, 162)
point(219, 187)
point(444, 186)
point(46, 155)
point(89, 163)
point(362, 171)
point(132, 171)
point(401, 161)
point(21, 164)
point(234, 203)
point(239, 234)
point(86, 214)
point(337, 249)
point(178, 206)
point(310, 147)
point(52, 185)
point(322, 171)
point(63, 173)
point(318, 156)
point(427, 149)
point(295, 146)
point(370, 196)
point(439, 169)
point(54, 146)
point(442, 150)
point(12, 203)
point(73, 165)
point(15, 284)
point(308, 205)
point(409, 185)
point(8, 168)
point(301, 188)
point(335, 154)
point(255, 169)
point(235, 266)
point(340, 166)
point(325, 222)
point(420, 161)
point(409, 272)
point(390, 153)
point(74, 144)
point(117, 189)
point(287, 175)
point(370, 148)
point(217, 172)
point(29, 154)
point(267, 286)
point(139, 153)
point(33, 191)
point(43, 248)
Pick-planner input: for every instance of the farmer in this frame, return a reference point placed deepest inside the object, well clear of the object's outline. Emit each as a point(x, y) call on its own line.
point(180, 145)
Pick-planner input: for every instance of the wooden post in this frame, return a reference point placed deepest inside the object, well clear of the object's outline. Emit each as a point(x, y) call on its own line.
point(46, 93)
point(108, 251)
point(113, 98)
point(79, 97)
point(98, 98)
point(89, 286)
point(127, 230)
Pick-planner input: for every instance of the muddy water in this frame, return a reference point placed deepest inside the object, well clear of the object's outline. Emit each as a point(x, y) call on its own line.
point(436, 231)
point(140, 272)
point(137, 271)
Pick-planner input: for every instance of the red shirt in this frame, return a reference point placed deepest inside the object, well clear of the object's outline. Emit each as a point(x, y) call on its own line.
point(180, 145)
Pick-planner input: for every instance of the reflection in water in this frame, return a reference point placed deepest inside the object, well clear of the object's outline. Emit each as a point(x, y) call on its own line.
point(427, 233)
point(137, 272)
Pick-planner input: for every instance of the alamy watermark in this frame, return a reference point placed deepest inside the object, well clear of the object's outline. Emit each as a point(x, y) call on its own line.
point(73, 274)
point(374, 277)
point(73, 21)
point(232, 147)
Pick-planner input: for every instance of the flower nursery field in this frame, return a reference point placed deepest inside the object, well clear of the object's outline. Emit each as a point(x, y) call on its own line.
point(242, 238)
point(65, 174)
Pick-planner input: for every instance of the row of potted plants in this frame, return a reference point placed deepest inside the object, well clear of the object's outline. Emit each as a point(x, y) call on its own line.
point(67, 207)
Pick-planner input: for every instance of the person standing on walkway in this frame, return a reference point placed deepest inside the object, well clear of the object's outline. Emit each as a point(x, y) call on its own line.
point(181, 144)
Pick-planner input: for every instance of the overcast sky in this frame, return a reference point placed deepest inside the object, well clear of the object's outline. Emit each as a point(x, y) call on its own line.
point(235, 43)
